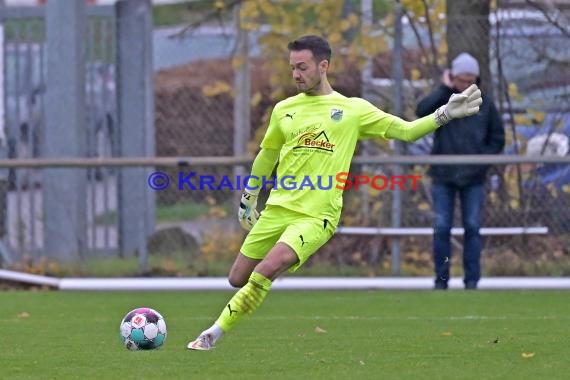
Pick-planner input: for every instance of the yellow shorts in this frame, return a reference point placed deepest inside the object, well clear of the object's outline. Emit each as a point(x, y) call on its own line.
point(304, 234)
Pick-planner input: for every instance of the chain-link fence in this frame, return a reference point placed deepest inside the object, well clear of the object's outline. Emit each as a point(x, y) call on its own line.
point(198, 235)
point(524, 62)
point(24, 61)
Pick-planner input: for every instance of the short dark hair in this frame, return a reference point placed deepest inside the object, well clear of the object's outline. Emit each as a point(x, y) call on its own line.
point(317, 45)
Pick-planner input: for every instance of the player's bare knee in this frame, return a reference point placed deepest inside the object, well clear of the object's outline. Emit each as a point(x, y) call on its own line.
point(237, 282)
point(273, 267)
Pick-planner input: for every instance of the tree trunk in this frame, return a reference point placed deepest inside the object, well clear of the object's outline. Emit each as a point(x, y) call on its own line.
point(468, 30)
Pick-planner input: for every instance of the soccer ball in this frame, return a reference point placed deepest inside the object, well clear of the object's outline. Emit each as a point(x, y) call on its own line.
point(143, 329)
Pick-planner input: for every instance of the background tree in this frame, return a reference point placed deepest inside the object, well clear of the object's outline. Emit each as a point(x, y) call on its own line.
point(468, 30)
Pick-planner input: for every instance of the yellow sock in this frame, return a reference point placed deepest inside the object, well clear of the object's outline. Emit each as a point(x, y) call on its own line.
point(245, 301)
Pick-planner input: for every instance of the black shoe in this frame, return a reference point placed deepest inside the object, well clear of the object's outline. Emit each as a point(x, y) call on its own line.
point(440, 285)
point(471, 285)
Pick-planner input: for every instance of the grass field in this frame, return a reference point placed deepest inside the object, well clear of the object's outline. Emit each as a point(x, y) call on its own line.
point(367, 335)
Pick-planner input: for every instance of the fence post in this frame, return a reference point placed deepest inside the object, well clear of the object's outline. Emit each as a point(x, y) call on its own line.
point(399, 147)
point(135, 97)
point(64, 190)
point(242, 96)
point(3, 143)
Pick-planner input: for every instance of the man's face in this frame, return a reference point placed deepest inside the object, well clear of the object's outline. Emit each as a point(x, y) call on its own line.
point(306, 71)
point(462, 81)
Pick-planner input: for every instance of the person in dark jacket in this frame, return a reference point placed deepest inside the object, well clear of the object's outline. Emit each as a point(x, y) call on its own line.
point(482, 133)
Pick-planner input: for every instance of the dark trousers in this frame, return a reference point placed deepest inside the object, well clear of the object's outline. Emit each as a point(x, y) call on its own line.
point(471, 198)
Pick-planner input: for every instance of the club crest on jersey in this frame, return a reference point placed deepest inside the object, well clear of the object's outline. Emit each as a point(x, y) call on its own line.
point(336, 114)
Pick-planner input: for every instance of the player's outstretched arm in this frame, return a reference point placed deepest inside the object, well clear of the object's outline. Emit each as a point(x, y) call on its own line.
point(261, 168)
point(459, 105)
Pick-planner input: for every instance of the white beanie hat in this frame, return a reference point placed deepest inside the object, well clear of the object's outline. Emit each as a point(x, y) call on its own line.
point(464, 63)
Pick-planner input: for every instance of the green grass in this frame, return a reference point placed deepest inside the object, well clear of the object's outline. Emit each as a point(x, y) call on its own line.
point(369, 335)
point(188, 13)
point(165, 213)
point(171, 14)
point(181, 211)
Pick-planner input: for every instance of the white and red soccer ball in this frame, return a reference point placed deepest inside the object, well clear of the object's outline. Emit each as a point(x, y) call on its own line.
point(143, 329)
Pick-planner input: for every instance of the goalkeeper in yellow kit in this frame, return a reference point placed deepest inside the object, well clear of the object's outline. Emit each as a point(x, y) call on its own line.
point(312, 134)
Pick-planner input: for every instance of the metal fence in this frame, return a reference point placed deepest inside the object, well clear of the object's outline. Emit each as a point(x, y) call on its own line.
point(200, 235)
point(24, 58)
point(196, 85)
